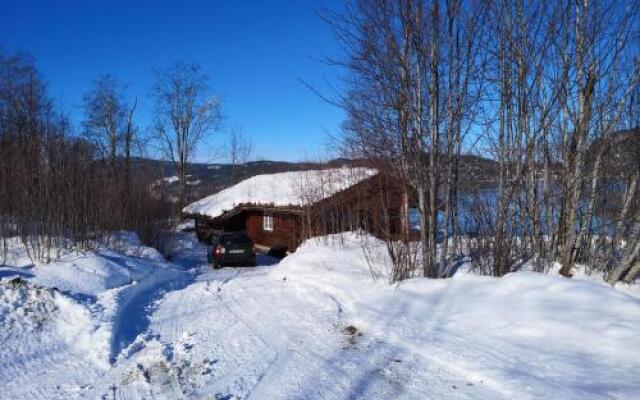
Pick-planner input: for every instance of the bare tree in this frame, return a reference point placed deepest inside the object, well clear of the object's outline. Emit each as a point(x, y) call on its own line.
point(106, 118)
point(414, 82)
point(387, 102)
point(186, 113)
point(109, 125)
point(543, 87)
point(599, 48)
point(238, 150)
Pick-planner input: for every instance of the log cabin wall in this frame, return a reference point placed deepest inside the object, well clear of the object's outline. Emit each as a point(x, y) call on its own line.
point(286, 229)
point(374, 205)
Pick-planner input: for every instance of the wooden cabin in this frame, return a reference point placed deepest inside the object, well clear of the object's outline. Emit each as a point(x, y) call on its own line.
point(283, 209)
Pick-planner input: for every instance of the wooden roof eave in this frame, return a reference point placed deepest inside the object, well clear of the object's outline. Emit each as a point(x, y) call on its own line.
point(291, 209)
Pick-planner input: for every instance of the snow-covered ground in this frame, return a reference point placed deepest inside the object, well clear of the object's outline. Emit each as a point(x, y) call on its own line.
point(126, 323)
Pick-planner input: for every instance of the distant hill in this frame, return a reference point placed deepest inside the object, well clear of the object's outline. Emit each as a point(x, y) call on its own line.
point(207, 178)
point(477, 173)
point(621, 153)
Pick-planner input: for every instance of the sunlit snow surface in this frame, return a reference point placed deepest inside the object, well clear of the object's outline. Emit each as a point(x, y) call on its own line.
point(125, 323)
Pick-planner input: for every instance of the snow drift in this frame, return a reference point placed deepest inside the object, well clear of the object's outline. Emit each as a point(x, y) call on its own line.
point(34, 318)
point(81, 299)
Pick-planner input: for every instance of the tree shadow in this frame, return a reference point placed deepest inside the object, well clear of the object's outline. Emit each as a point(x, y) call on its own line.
point(4, 273)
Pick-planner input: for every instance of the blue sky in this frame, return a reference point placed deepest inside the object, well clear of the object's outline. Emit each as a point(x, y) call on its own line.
point(254, 51)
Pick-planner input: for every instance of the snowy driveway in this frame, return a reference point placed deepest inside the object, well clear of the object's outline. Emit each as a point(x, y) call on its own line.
point(241, 333)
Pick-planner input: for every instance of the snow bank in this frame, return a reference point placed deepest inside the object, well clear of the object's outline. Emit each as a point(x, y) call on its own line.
point(282, 189)
point(87, 273)
point(186, 226)
point(47, 315)
point(129, 244)
point(583, 272)
point(171, 179)
point(63, 324)
point(527, 335)
point(86, 294)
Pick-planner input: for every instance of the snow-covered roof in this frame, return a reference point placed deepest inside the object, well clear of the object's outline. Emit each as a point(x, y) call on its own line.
point(298, 188)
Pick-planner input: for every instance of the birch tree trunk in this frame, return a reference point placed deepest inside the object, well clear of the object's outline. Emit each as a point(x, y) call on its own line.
point(628, 197)
point(629, 266)
point(430, 268)
point(586, 85)
point(585, 229)
point(500, 248)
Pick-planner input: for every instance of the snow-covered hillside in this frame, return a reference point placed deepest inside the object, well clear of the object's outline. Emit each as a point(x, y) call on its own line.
point(125, 323)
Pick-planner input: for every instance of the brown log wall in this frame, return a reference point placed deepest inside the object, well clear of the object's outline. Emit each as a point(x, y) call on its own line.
point(374, 205)
point(286, 229)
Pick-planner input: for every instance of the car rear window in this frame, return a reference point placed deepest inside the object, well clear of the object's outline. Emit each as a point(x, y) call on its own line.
point(235, 239)
point(214, 238)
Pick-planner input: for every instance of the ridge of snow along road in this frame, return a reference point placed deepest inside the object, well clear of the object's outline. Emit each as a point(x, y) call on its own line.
point(27, 309)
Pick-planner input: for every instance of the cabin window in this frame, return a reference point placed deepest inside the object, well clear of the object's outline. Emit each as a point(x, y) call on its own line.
point(267, 222)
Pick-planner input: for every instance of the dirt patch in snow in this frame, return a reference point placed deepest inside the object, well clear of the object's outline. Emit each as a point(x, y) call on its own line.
point(25, 306)
point(352, 333)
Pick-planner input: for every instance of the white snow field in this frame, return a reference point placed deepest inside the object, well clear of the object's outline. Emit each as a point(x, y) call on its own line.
point(129, 325)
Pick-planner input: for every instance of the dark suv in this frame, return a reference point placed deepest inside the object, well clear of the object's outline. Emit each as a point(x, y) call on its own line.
point(231, 248)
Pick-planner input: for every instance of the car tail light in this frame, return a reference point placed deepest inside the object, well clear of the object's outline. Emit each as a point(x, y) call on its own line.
point(218, 251)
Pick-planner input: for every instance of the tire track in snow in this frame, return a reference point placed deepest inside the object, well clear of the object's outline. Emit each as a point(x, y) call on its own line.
point(372, 368)
point(429, 360)
point(137, 302)
point(171, 323)
point(246, 376)
point(265, 338)
point(307, 343)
